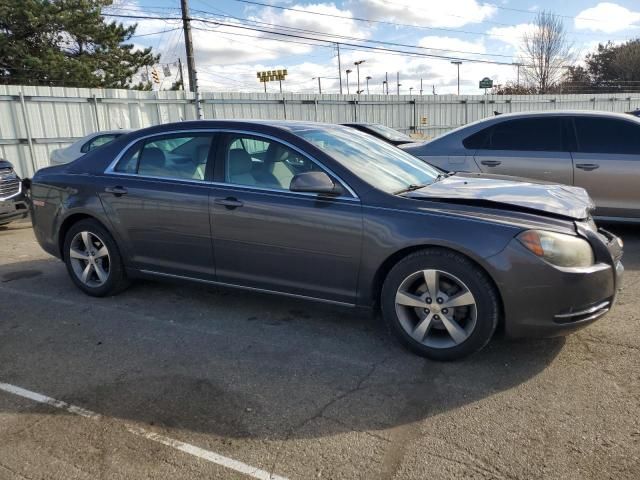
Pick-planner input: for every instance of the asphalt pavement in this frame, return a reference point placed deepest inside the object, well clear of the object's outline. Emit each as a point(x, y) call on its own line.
point(184, 381)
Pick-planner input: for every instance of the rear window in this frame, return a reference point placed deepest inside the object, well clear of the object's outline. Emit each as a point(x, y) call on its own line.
point(607, 135)
point(478, 140)
point(529, 134)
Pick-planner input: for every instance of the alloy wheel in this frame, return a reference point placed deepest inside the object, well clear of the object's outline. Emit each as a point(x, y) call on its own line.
point(90, 259)
point(436, 308)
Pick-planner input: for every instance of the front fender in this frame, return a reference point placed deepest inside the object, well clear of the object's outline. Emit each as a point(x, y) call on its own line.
point(389, 231)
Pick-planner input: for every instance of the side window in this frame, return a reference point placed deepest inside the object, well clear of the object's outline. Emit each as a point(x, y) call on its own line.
point(478, 140)
point(257, 162)
point(606, 135)
point(176, 156)
point(529, 134)
point(98, 142)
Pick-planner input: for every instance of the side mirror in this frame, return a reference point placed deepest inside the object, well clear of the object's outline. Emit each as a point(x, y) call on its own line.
point(314, 182)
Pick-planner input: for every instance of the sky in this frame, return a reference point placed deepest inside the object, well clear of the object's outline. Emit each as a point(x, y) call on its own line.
point(228, 55)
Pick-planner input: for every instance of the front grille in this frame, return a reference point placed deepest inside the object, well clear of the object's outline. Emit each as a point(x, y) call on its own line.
point(9, 183)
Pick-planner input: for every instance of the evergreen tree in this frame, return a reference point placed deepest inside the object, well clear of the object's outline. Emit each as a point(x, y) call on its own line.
point(67, 43)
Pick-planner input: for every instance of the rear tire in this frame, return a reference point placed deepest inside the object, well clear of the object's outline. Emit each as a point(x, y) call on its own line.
point(456, 319)
point(93, 259)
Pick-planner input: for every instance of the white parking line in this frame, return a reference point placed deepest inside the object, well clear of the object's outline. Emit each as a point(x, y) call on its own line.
point(198, 452)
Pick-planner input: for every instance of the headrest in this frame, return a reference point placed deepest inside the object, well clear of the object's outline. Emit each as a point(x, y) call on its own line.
point(152, 158)
point(239, 162)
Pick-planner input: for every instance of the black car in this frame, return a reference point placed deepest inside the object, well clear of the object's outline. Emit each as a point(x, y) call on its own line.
point(323, 212)
point(13, 203)
point(382, 132)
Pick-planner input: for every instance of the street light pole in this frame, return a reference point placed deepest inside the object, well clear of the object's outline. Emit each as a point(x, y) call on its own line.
point(368, 78)
point(458, 63)
point(348, 72)
point(357, 64)
point(398, 81)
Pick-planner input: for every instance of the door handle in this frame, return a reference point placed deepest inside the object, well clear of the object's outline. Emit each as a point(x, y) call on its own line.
point(229, 202)
point(117, 190)
point(587, 166)
point(491, 163)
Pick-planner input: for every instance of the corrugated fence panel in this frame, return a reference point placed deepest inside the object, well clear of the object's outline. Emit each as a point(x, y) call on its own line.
point(34, 121)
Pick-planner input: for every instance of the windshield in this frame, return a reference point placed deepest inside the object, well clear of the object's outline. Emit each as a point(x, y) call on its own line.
point(381, 165)
point(389, 133)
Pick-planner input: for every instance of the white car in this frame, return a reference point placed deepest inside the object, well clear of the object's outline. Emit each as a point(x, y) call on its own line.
point(84, 145)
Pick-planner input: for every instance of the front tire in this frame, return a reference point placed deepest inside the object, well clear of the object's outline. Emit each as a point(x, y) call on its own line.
point(440, 304)
point(93, 259)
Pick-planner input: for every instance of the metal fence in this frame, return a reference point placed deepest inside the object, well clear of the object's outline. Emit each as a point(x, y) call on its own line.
point(34, 121)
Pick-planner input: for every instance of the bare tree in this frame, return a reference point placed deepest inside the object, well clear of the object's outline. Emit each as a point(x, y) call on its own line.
point(546, 52)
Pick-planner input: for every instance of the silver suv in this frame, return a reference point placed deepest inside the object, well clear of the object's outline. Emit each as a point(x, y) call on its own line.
point(599, 151)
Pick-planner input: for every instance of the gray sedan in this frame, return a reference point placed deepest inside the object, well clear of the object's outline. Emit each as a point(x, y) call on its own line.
point(327, 213)
point(598, 151)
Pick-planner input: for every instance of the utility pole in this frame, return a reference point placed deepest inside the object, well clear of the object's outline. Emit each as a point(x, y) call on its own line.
point(339, 67)
point(191, 62)
point(319, 85)
point(458, 63)
point(348, 72)
point(357, 64)
point(420, 87)
point(368, 78)
point(518, 65)
point(386, 81)
point(398, 82)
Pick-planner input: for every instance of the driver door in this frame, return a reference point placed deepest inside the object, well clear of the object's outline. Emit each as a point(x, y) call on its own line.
point(268, 237)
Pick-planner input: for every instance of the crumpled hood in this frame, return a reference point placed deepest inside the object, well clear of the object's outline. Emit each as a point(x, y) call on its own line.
point(563, 200)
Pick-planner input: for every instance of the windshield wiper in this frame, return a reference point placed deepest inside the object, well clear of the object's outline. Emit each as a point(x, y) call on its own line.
point(418, 186)
point(411, 188)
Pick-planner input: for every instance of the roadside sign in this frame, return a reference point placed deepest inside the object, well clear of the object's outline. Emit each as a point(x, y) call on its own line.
point(486, 82)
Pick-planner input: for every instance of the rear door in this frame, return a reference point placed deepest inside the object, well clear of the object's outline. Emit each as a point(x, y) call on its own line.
point(607, 164)
point(157, 197)
point(527, 147)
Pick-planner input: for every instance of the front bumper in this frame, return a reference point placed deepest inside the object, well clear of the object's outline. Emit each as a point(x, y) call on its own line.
point(541, 300)
point(14, 207)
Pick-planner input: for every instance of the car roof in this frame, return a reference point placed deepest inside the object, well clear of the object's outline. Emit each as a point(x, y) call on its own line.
point(287, 125)
point(556, 113)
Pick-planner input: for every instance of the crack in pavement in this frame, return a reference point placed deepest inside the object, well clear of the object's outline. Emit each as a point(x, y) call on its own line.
point(323, 409)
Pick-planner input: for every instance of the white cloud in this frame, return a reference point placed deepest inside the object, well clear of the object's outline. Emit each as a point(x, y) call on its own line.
point(607, 17)
point(450, 45)
point(512, 35)
point(450, 13)
point(304, 18)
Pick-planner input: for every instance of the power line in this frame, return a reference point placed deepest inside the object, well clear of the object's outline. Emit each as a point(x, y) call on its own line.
point(381, 42)
point(290, 35)
point(368, 20)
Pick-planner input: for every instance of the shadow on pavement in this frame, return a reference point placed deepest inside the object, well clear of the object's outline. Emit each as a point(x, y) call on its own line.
point(231, 363)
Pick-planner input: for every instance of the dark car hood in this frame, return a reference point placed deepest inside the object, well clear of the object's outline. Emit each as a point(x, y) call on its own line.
point(561, 200)
point(5, 164)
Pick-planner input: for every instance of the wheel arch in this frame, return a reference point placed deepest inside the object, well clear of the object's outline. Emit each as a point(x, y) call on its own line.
point(386, 266)
point(71, 220)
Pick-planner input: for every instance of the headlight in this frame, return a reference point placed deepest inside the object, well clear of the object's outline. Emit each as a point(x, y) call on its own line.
point(557, 248)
